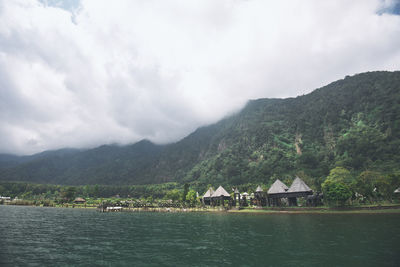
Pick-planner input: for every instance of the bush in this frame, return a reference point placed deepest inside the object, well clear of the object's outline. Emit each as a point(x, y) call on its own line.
point(336, 193)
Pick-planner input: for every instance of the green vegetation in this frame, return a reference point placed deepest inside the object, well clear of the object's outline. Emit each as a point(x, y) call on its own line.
point(336, 192)
point(343, 139)
point(49, 191)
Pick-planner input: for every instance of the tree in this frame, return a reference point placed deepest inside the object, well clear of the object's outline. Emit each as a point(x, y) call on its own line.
point(191, 197)
point(86, 191)
point(387, 184)
point(150, 200)
point(336, 192)
point(174, 194)
point(27, 195)
point(361, 144)
point(185, 191)
point(366, 183)
point(68, 193)
point(96, 191)
point(340, 174)
point(336, 187)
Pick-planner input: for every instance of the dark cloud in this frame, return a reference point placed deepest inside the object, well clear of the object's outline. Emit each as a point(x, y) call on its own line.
point(389, 7)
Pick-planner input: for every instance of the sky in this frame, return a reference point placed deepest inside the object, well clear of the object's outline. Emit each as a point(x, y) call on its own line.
point(83, 73)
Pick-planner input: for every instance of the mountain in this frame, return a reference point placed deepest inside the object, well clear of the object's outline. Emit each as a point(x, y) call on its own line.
point(353, 122)
point(13, 160)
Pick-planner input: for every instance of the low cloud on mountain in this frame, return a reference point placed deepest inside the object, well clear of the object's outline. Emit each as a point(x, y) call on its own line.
point(85, 73)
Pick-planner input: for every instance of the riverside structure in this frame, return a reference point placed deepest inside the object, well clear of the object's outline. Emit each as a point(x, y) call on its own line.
point(277, 195)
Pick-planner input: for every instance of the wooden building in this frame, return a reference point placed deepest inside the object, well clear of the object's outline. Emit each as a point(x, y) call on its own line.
point(218, 197)
point(207, 196)
point(260, 197)
point(276, 192)
point(298, 189)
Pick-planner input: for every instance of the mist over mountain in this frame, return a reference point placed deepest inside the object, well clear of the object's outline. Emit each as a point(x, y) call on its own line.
point(353, 122)
point(76, 73)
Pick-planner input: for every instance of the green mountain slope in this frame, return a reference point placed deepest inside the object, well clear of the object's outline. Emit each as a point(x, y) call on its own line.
point(354, 123)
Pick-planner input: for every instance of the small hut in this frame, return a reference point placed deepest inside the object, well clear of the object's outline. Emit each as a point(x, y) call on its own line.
point(219, 196)
point(207, 196)
point(276, 192)
point(79, 200)
point(259, 196)
point(298, 189)
point(259, 192)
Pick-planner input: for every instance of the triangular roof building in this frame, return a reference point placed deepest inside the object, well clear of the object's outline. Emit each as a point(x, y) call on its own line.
point(277, 188)
point(209, 193)
point(298, 186)
point(220, 192)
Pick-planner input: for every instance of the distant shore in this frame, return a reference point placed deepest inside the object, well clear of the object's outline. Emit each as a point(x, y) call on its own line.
point(376, 209)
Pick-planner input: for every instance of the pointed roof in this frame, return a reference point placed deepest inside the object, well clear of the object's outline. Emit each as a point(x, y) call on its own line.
point(277, 187)
point(236, 191)
point(79, 199)
point(397, 190)
point(259, 189)
point(209, 192)
point(299, 185)
point(220, 192)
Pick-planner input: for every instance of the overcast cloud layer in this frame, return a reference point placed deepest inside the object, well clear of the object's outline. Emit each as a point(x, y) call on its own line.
point(82, 74)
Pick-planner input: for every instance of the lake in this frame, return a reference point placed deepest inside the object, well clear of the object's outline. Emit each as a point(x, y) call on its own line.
point(37, 236)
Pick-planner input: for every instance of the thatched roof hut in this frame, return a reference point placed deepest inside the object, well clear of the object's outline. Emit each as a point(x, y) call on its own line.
point(299, 188)
point(79, 200)
point(277, 189)
point(260, 195)
point(219, 196)
point(220, 192)
point(209, 193)
point(276, 192)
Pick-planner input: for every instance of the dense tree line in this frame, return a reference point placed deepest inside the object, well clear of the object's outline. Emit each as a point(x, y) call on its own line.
point(340, 187)
point(28, 190)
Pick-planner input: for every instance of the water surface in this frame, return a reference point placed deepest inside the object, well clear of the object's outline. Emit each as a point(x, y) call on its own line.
point(34, 236)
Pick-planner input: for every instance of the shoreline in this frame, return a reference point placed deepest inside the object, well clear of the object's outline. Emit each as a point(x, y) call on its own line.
point(320, 211)
point(385, 209)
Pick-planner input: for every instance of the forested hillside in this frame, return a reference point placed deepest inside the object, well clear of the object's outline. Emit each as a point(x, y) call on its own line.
point(352, 123)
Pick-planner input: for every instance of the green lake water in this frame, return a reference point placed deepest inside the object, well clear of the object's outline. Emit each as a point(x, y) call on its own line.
point(34, 236)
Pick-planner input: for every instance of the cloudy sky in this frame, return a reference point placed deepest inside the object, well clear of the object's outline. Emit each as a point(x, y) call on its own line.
point(85, 73)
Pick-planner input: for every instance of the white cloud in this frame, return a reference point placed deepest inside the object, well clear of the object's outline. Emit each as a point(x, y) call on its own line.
point(100, 72)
